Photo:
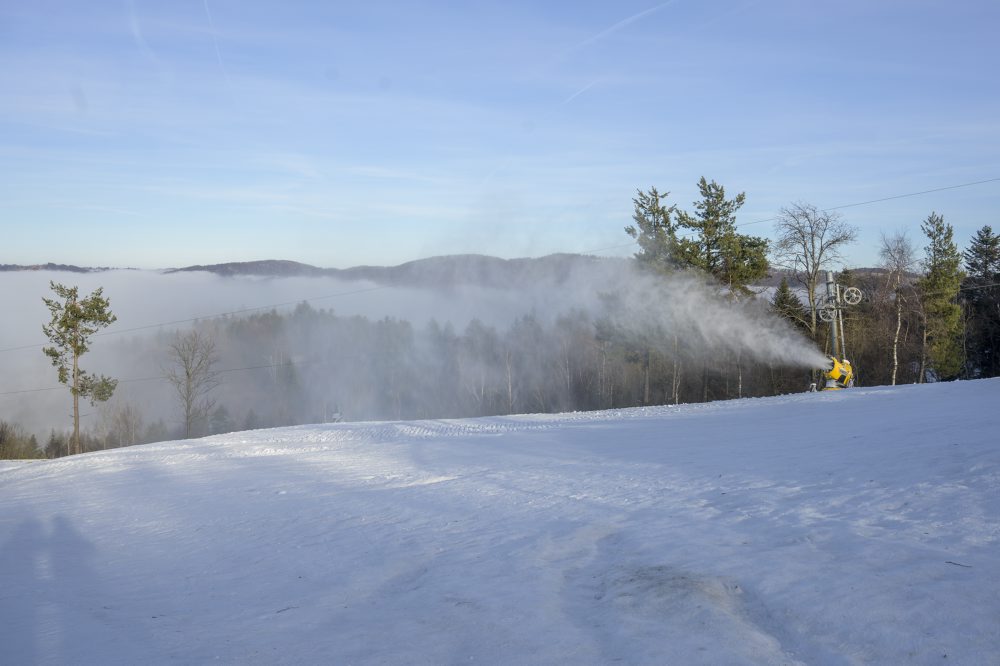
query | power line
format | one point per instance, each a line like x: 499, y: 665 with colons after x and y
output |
x: 610, y: 247
x: 969, y: 288
x: 163, y: 377
x: 980, y: 286
x: 913, y: 194
x: 897, y: 196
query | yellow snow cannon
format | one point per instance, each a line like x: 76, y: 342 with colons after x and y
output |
x: 838, y: 374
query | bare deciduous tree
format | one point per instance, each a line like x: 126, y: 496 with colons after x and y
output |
x: 806, y: 241
x: 192, y: 373
x: 122, y: 423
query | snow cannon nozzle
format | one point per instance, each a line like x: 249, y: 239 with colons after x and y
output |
x: 838, y: 374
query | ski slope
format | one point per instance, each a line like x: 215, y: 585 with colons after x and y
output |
x: 855, y: 527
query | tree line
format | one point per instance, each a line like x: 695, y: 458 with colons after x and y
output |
x: 934, y: 319
x: 930, y: 320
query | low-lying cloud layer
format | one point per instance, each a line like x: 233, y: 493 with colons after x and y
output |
x: 328, y: 369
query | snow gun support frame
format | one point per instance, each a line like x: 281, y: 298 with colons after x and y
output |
x: 837, y: 374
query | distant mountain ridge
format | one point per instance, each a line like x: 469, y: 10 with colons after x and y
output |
x: 49, y: 267
x: 441, y: 271
x: 264, y: 268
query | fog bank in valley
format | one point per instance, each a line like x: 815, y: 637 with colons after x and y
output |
x: 586, y: 339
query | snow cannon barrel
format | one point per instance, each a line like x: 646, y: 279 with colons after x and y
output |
x: 838, y: 374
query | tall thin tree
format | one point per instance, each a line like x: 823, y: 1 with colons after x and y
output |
x: 897, y: 258
x: 655, y: 231
x: 74, y: 321
x: 939, y: 287
x: 982, y: 298
x: 735, y: 260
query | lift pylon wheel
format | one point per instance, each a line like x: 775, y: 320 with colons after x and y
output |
x: 851, y: 296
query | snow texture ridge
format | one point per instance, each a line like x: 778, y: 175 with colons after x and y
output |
x: 853, y: 527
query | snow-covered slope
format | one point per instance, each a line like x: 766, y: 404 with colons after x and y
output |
x: 856, y: 527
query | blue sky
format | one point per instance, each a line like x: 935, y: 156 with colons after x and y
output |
x: 153, y: 134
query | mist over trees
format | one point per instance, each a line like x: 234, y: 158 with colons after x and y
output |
x: 686, y: 321
x: 314, y: 365
x: 15, y: 443
x: 192, y: 373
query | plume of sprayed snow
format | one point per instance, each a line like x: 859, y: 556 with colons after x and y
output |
x: 688, y: 307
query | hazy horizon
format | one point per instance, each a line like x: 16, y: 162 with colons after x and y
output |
x: 184, y: 267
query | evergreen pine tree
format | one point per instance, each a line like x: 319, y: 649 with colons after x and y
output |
x: 939, y: 287
x: 653, y: 230
x: 656, y: 234
x: 57, y: 445
x: 73, y: 322
x: 736, y: 260
x: 786, y: 303
x: 982, y: 296
x: 982, y: 259
x: 789, y: 306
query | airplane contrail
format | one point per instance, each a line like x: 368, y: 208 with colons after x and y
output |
x: 215, y: 43
x: 136, y: 29
x: 579, y: 92
x: 621, y: 24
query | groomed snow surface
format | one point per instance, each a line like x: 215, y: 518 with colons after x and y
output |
x: 853, y: 527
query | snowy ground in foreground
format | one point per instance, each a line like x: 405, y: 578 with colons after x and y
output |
x: 853, y: 527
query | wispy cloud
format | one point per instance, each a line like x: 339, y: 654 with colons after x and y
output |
x: 237, y: 195
x: 92, y: 208
x: 579, y: 92
x: 381, y: 172
x: 624, y: 23
x: 298, y: 165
